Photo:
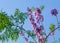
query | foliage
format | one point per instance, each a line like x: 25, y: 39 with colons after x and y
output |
x: 3, y: 20
x: 8, y: 27
x: 11, y: 26
x: 52, y: 27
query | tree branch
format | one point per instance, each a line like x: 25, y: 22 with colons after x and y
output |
x: 50, y: 33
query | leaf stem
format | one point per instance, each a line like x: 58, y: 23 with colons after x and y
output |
x: 57, y: 19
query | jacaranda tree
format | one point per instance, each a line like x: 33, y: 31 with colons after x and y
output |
x: 11, y: 27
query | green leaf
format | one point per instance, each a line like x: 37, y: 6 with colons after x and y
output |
x: 31, y: 42
x: 31, y: 34
x: 32, y: 8
x: 25, y: 15
x: 17, y: 11
x: 21, y: 15
x: 41, y: 7
x: 3, y: 20
x: 59, y: 40
x: 55, y: 41
x: 52, y: 27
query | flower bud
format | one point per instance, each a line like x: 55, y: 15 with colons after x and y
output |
x: 54, y: 12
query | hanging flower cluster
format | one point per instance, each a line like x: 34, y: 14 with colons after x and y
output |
x: 36, y: 18
x: 39, y: 17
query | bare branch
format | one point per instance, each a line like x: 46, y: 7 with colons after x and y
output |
x: 50, y: 33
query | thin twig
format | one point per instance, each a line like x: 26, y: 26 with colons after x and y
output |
x: 24, y: 35
x: 57, y: 20
x: 34, y: 40
x: 50, y: 33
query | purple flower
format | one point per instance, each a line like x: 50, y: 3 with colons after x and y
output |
x: 29, y: 11
x: 37, y: 30
x: 54, y: 12
x: 37, y: 11
x: 41, y: 27
x: 41, y: 18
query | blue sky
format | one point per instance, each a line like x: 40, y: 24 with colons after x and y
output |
x: 10, y: 5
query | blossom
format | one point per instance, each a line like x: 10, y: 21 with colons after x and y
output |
x: 54, y: 12
x: 29, y: 11
x: 38, y: 16
x: 37, y: 11
x: 39, y: 19
x: 35, y: 19
x: 41, y: 27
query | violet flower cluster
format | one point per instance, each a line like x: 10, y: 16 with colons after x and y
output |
x: 36, y: 18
